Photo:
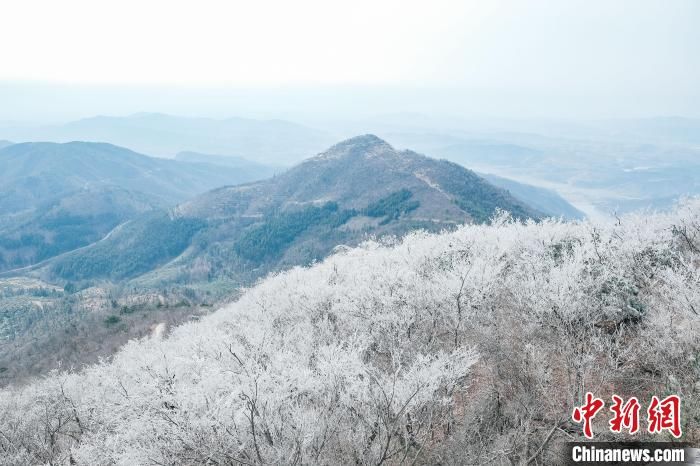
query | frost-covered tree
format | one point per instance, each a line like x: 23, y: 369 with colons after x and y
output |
x: 468, y: 347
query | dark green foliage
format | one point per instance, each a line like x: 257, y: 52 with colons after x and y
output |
x: 392, y: 206
x: 127, y: 310
x: 48, y: 235
x: 270, y: 238
x: 111, y: 320
x: 150, y: 243
x: 73, y: 232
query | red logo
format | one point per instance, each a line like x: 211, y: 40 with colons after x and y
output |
x: 665, y: 415
x: 625, y: 416
x: 587, y: 412
x: 661, y: 415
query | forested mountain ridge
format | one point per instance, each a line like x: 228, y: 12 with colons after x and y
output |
x: 436, y: 349
x: 74, y: 220
x: 361, y: 170
x: 58, y: 197
x: 358, y: 187
x: 38, y: 171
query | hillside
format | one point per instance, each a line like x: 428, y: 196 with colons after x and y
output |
x: 37, y: 171
x: 68, y: 222
x: 358, y: 187
x: 57, y: 197
x: 438, y: 349
x: 544, y: 200
x: 265, y: 141
x: 258, y: 170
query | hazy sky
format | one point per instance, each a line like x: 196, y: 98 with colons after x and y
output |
x: 508, y: 58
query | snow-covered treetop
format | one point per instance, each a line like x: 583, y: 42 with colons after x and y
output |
x: 379, y: 353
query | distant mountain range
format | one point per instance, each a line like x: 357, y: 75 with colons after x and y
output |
x: 57, y: 197
x: 265, y: 141
x: 358, y: 187
x: 232, y: 161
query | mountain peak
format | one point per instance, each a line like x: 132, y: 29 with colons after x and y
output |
x: 363, y: 141
x: 364, y: 145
